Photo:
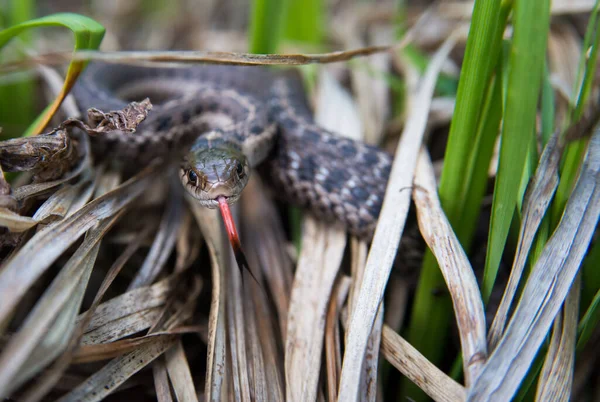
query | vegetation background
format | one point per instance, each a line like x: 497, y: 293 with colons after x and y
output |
x: 108, y: 289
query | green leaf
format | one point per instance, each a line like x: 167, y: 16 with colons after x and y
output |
x: 591, y: 275
x: 88, y: 35
x: 266, y: 25
x: 481, y: 54
x: 531, y: 20
x: 589, y: 322
x: 17, y: 103
x: 304, y: 22
x: 589, y: 59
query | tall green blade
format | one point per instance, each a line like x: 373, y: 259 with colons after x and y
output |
x: 88, y: 35
x: 531, y: 21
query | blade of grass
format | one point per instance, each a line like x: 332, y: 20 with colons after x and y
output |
x: 47, y: 330
x: 531, y: 24
x: 266, y: 25
x: 304, y: 21
x: 24, y: 267
x: 87, y: 33
x: 591, y: 278
x: 388, y: 231
x: 545, y: 291
x: 478, y: 168
x: 588, y: 322
x: 431, y: 313
x: 16, y: 99
x: 556, y: 378
x: 589, y: 59
x: 482, y: 52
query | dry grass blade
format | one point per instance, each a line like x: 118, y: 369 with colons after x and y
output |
x: 15, y: 222
x: 105, y: 351
x: 59, y: 203
x: 259, y: 372
x: 388, y: 232
x: 54, y: 208
x: 418, y: 369
x: 216, y: 360
x: 43, y: 248
x: 333, y: 345
x: 537, y: 199
x: 236, y: 331
x: 181, y: 56
x: 323, y: 246
x: 368, y: 389
x: 123, y: 326
x: 556, y: 378
x: 47, y: 329
x: 179, y: 373
x: 165, y: 238
x: 267, y: 249
x: 52, y: 376
x: 547, y: 286
x: 463, y: 9
x: 564, y: 49
x: 104, y: 381
x: 161, y: 381
x: 454, y: 265
x: 128, y: 313
x: 368, y: 379
x: 266, y: 252
x: 144, y: 350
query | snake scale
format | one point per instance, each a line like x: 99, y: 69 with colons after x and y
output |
x: 224, y: 121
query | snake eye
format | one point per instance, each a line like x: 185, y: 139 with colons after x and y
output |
x: 192, y: 177
x: 239, y: 169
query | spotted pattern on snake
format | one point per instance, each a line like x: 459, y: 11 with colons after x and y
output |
x: 264, y: 115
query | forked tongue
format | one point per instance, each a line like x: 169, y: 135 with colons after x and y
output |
x: 234, y: 239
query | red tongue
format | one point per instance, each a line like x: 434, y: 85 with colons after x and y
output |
x: 229, y: 223
x: 233, y: 236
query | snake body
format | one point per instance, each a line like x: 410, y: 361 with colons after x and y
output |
x: 223, y: 121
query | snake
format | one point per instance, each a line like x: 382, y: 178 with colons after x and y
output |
x: 221, y: 123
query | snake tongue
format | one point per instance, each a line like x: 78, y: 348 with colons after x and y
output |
x: 234, y: 239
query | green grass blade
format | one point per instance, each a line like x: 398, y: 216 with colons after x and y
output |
x: 531, y: 20
x: 483, y: 149
x: 591, y: 276
x: 592, y: 37
x: 304, y: 22
x: 88, y: 35
x: 548, y: 108
x: 481, y: 54
x: 589, y: 322
x: 266, y: 25
x: 432, y: 312
x: 17, y: 99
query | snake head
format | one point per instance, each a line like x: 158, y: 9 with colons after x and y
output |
x: 208, y: 173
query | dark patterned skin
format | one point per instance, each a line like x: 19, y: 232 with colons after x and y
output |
x: 262, y: 116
